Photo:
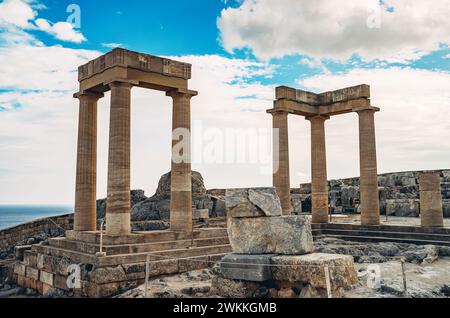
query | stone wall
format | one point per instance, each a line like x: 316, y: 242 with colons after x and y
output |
x: 45, y: 227
x: 399, y: 194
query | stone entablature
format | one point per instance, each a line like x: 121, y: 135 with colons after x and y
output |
x: 130, y: 59
x: 304, y: 103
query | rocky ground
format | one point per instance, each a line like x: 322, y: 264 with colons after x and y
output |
x: 427, y: 270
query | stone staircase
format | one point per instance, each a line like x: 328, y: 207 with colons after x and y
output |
x: 383, y: 233
x: 45, y: 266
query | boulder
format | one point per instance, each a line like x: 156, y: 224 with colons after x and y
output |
x: 244, y: 203
x: 287, y: 235
x: 230, y: 288
x: 255, y: 268
x: 310, y: 269
x: 219, y: 206
x: 296, y: 201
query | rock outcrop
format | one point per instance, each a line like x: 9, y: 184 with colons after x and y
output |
x: 157, y: 207
x: 399, y: 194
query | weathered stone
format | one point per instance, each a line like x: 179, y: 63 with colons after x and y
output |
x: 19, y: 269
x: 46, y: 278
x: 230, y: 288
x: 267, y: 200
x: 405, y: 207
x: 104, y: 275
x: 287, y: 235
x: 309, y: 269
x: 32, y: 273
x: 200, y: 214
x: 296, y: 200
x: 255, y: 268
x: 286, y: 293
x: 219, y: 206
x: 253, y: 202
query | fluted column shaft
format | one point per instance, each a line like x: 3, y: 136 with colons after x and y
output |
x: 118, y: 202
x: 86, y: 179
x: 281, y: 180
x: 319, y: 185
x: 181, y: 192
x: 370, y: 206
x: 431, y: 213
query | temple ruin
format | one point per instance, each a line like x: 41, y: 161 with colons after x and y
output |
x: 317, y: 108
x: 260, y: 229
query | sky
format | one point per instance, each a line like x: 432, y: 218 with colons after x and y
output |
x: 240, y: 51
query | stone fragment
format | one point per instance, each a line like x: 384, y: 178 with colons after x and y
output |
x: 286, y: 235
x: 286, y: 293
x: 405, y: 207
x: 200, y: 214
x: 105, y: 275
x: 253, y: 202
x: 310, y: 269
x: 255, y: 268
x: 230, y: 288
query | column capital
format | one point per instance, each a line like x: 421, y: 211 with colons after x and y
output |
x: 82, y: 94
x: 121, y: 82
x: 365, y: 108
x: 317, y: 117
x: 276, y: 111
x: 179, y: 92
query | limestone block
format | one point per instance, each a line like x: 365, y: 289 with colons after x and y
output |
x: 104, y: 275
x: 30, y: 258
x: 309, y: 269
x: 164, y: 267
x: 32, y: 273
x: 46, y: 278
x: 255, y: 268
x: 287, y: 235
x: 296, y: 203
x: 230, y: 288
x: 19, y: 269
x: 253, y: 202
x: 200, y: 214
x: 405, y: 207
x: 19, y: 251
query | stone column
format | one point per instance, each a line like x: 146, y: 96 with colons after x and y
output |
x: 281, y: 180
x: 118, y: 206
x: 86, y: 180
x: 180, y: 177
x: 431, y: 213
x: 370, y: 205
x: 319, y: 185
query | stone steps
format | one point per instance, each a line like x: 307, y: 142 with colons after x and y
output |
x: 113, y: 260
x: 92, y: 248
x: 385, y: 228
x: 145, y: 237
x: 391, y: 235
x: 361, y: 238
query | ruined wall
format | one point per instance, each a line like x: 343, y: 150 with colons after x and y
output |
x: 50, y: 226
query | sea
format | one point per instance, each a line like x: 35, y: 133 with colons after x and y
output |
x: 12, y: 215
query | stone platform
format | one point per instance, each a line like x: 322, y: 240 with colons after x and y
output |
x: 45, y: 267
x: 289, y: 276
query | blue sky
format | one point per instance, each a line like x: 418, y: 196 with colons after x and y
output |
x: 240, y: 50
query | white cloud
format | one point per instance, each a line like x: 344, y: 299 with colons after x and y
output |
x: 61, y: 30
x: 337, y: 29
x: 19, y: 16
x: 112, y: 45
x: 17, y: 12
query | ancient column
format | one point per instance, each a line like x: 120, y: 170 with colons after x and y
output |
x: 86, y: 179
x: 118, y: 207
x: 281, y: 180
x: 319, y: 185
x: 431, y: 213
x: 370, y: 206
x: 181, y: 192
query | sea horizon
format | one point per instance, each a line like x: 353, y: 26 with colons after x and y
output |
x: 15, y: 214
